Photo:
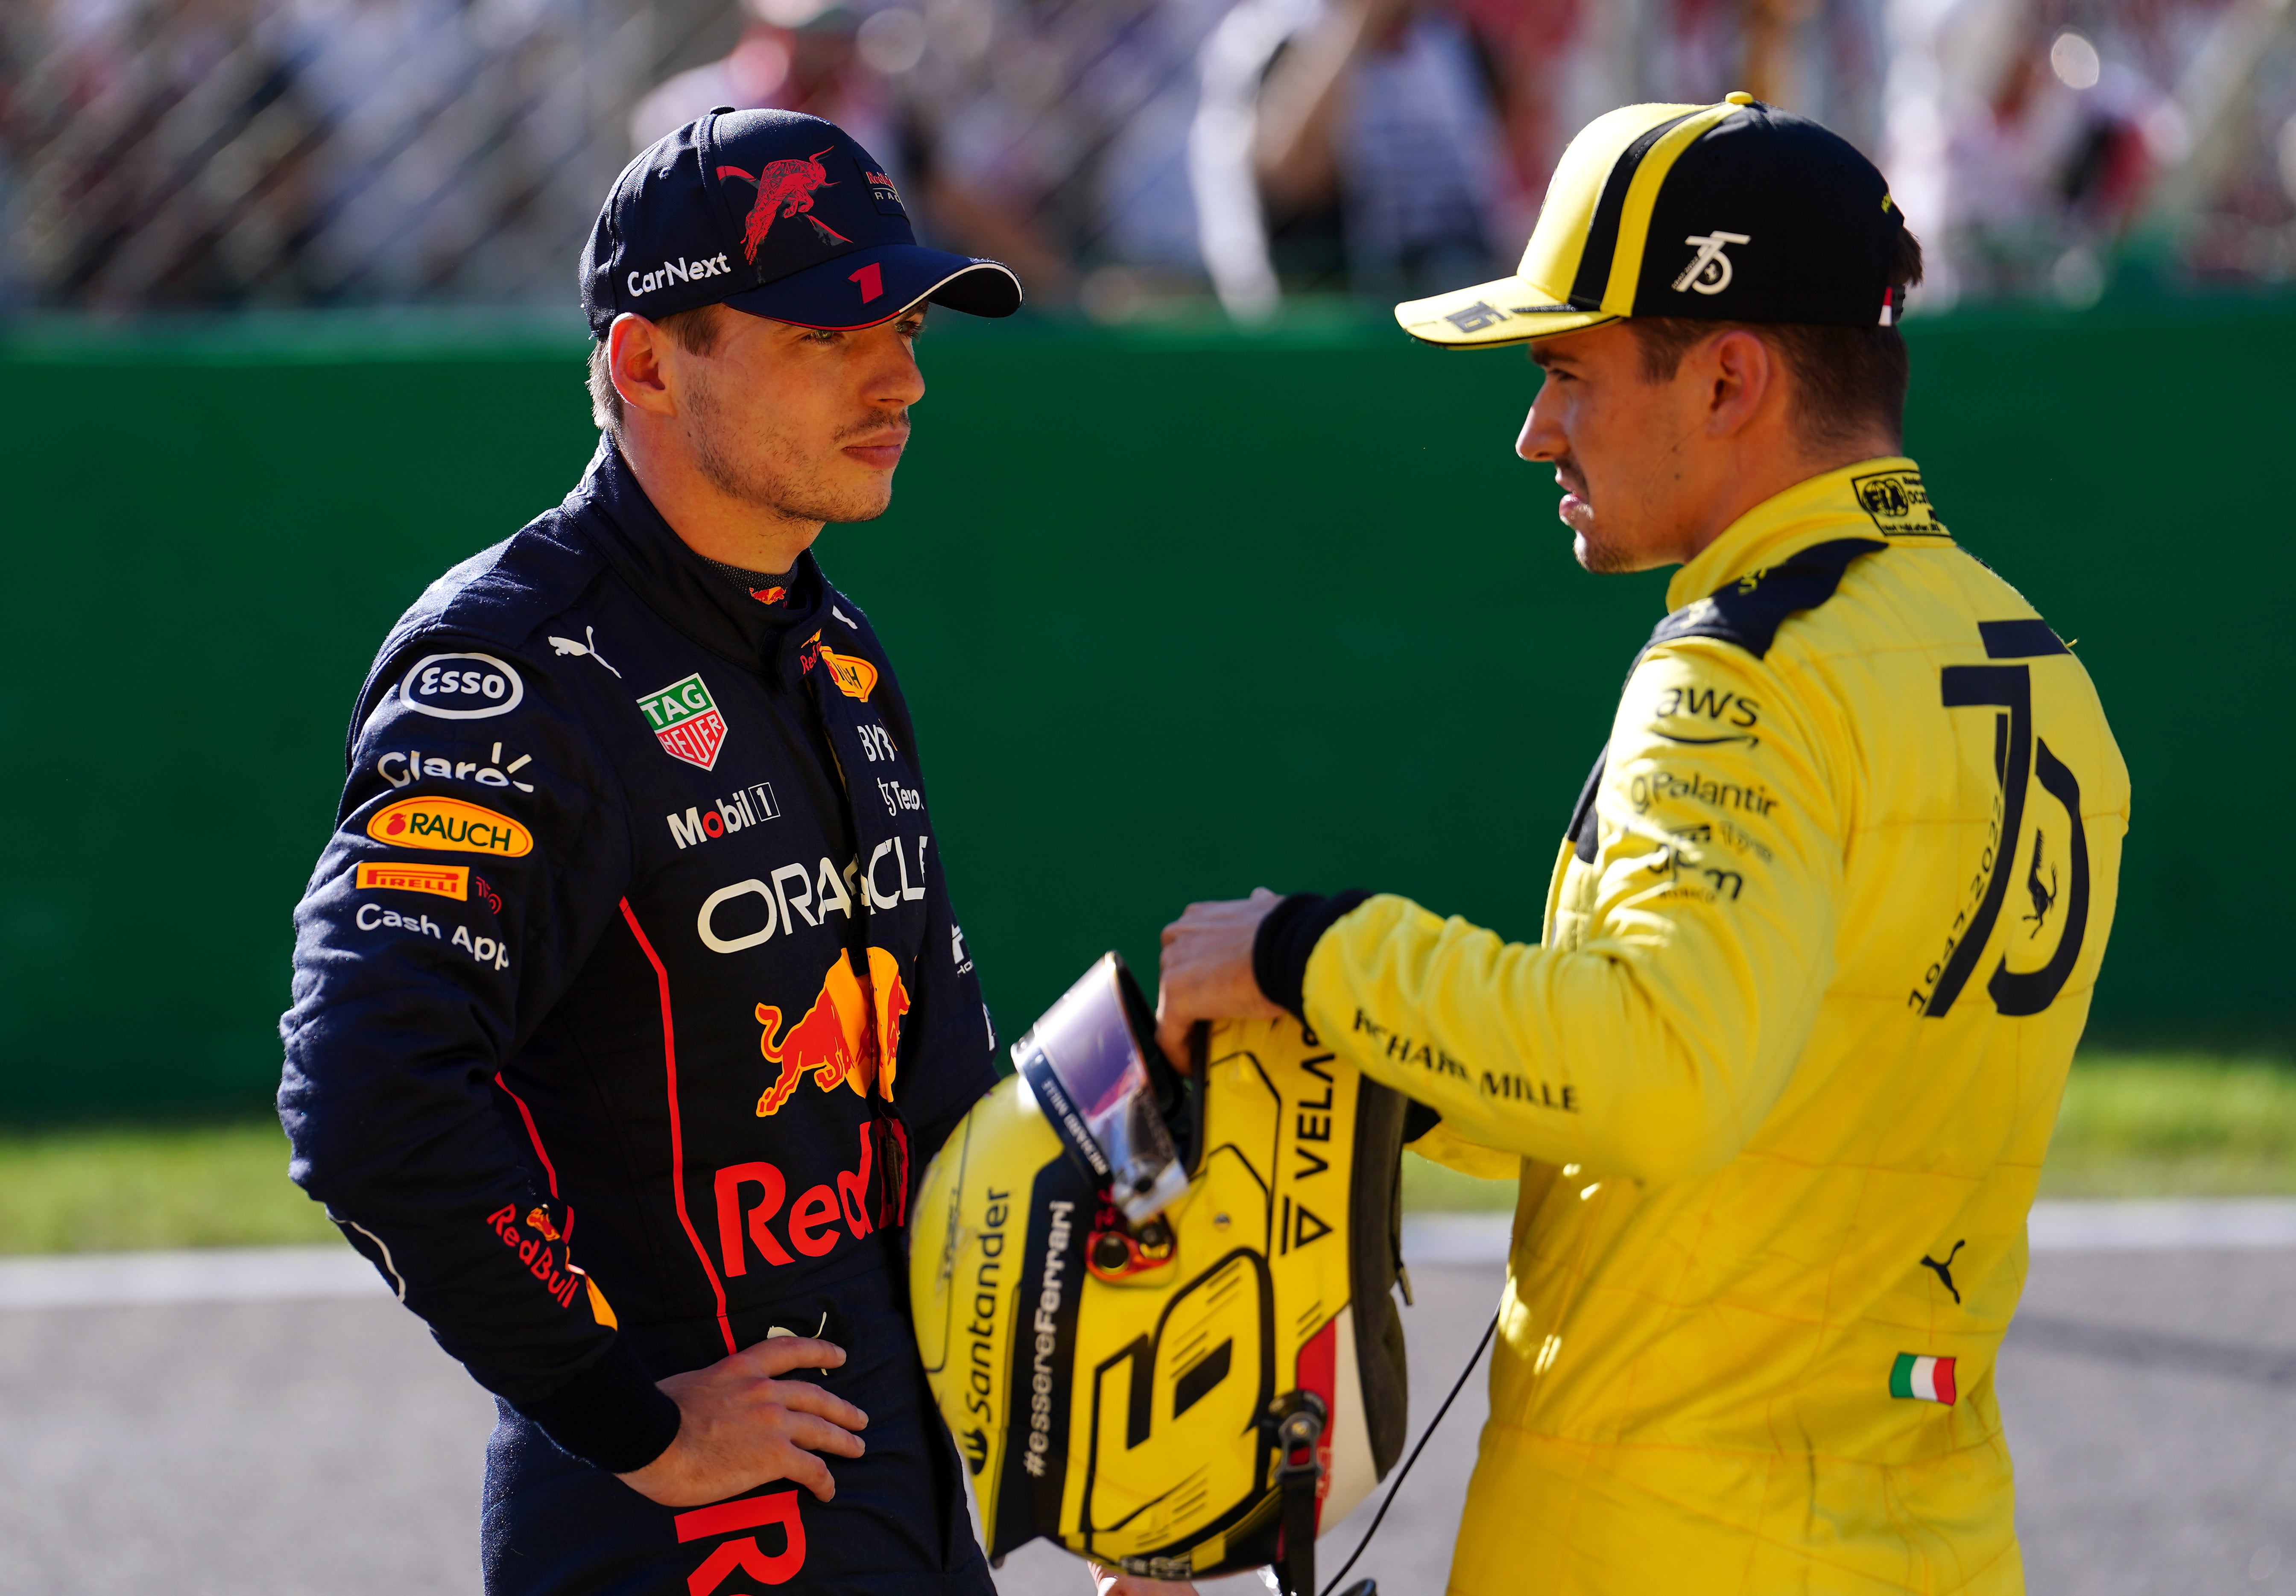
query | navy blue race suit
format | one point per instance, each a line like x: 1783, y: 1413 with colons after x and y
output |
x: 627, y: 1003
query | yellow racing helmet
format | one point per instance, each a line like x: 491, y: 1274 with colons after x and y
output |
x: 1157, y: 1311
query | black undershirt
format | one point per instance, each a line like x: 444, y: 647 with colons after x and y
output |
x: 753, y: 582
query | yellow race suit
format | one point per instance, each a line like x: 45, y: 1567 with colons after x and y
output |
x: 1779, y: 1076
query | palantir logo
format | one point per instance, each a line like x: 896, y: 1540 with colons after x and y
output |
x: 1709, y: 270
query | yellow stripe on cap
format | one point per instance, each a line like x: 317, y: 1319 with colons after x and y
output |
x: 1642, y: 198
x: 1536, y: 301
x: 1550, y: 260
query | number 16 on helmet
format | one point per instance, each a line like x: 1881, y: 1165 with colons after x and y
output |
x: 1157, y: 1312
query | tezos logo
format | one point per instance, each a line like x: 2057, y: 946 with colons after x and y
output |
x: 460, y: 686
x: 450, y: 823
x: 685, y: 721
x: 1708, y: 271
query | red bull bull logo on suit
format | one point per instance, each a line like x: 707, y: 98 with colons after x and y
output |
x: 850, y: 1037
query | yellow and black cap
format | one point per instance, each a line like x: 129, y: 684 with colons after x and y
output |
x: 1734, y: 212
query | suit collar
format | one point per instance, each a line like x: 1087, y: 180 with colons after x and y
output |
x: 679, y: 584
x: 1883, y: 497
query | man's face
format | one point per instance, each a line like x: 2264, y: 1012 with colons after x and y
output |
x: 1622, y: 446
x: 805, y: 424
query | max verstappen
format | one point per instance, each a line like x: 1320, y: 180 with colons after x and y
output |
x: 627, y: 992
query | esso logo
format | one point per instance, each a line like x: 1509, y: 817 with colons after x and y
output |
x: 461, y: 686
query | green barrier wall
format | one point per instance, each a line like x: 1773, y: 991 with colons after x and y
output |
x: 1179, y: 615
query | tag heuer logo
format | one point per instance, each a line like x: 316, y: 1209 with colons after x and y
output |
x: 685, y: 722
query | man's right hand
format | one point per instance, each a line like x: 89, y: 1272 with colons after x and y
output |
x: 740, y: 1428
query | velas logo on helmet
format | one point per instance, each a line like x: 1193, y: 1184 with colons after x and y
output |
x: 776, y: 214
x: 1732, y: 212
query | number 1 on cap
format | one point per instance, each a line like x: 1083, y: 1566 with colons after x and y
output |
x: 871, y: 281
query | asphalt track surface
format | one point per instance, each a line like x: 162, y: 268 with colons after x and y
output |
x: 281, y: 1443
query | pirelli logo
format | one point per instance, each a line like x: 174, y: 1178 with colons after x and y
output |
x: 439, y: 881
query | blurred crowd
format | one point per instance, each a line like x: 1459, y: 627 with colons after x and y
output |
x: 1125, y: 155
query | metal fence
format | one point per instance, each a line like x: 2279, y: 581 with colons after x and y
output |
x: 1124, y: 154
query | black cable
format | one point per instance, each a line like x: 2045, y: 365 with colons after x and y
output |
x: 1457, y: 1386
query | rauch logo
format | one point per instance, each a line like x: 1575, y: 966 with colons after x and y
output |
x: 445, y: 822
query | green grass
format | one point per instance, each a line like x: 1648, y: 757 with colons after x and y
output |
x: 2133, y: 1125
x: 2160, y: 1125
x: 123, y: 1188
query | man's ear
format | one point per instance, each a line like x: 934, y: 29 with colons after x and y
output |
x: 635, y: 354
x: 1743, y: 378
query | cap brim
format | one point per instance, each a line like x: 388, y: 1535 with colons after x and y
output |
x: 836, y: 295
x: 1509, y: 311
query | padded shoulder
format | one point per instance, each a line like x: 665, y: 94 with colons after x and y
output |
x: 1749, y: 612
x: 502, y: 594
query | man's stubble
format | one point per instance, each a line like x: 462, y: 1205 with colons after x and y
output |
x: 1594, y: 552
x: 771, y: 472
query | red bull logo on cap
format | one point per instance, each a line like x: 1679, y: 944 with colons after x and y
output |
x: 785, y: 188
x: 851, y: 1035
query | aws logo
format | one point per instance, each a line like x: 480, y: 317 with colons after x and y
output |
x: 450, y: 823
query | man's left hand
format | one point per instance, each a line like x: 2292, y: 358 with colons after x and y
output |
x: 1206, y: 970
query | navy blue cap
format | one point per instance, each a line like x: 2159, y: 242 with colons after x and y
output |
x: 778, y: 214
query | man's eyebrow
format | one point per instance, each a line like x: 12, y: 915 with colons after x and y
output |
x: 1549, y: 359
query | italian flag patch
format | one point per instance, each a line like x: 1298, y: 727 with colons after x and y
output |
x: 1921, y: 1379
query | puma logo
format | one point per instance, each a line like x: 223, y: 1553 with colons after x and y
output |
x: 1945, y: 1269
x: 589, y: 649
x: 2044, y: 898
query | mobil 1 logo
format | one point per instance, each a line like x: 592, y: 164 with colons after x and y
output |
x: 747, y: 806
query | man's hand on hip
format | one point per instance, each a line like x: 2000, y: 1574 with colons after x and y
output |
x: 740, y: 1428
x: 1206, y: 970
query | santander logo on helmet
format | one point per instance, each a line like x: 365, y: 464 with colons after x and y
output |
x: 785, y: 188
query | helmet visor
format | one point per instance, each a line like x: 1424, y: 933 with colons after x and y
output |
x: 1088, y: 1068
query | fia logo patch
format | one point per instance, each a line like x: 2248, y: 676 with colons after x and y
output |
x: 1898, y: 503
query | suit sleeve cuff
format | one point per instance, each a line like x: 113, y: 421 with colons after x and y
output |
x: 1284, y: 940
x: 611, y: 1414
